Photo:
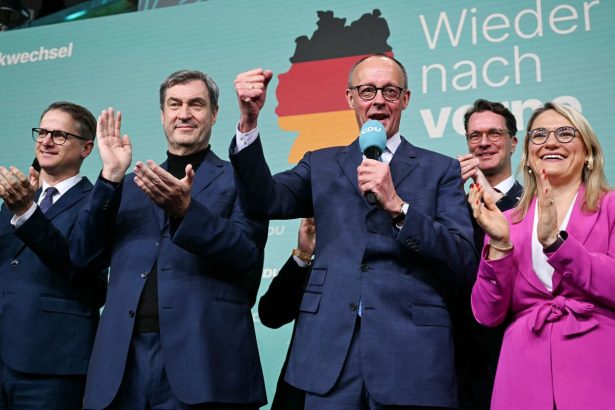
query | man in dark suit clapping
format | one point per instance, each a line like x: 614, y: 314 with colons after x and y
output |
x: 48, y: 306
x: 177, y: 329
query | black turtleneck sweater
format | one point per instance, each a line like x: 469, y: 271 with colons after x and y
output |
x: 147, y: 312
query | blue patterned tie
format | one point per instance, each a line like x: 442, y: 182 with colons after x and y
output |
x: 48, y: 199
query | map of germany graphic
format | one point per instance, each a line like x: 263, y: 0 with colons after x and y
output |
x: 311, y: 99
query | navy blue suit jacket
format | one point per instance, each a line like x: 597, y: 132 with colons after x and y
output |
x: 48, y: 307
x: 399, y: 277
x: 209, y: 268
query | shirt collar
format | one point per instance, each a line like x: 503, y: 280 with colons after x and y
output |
x: 393, y: 142
x: 505, y: 185
x: 64, y: 185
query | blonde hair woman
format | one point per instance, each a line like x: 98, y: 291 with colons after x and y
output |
x: 548, y: 266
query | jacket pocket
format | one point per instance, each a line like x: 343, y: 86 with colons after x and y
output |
x: 310, y: 302
x: 317, y: 277
x: 62, y: 305
x: 430, y: 315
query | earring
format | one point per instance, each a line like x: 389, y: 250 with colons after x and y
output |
x: 589, y: 163
x: 529, y: 170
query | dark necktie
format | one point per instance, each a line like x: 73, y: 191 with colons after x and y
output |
x: 48, y: 199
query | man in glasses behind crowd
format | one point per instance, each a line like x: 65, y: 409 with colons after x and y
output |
x: 491, y: 137
x: 49, y: 308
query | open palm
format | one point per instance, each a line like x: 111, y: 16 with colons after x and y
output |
x: 115, y: 149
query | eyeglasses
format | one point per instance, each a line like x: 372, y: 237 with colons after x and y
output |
x: 368, y: 92
x: 58, y: 137
x: 539, y: 136
x: 493, y: 135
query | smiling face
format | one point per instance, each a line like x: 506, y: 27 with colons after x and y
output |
x: 378, y: 71
x: 494, y: 156
x: 563, y: 162
x: 187, y: 117
x: 59, y: 162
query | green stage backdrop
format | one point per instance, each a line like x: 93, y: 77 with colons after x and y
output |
x: 522, y: 53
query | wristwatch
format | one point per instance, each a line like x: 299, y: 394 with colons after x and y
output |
x: 561, y: 237
x: 401, y: 217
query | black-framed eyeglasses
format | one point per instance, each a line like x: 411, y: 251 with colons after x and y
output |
x: 368, y: 92
x: 58, y: 137
x: 539, y: 136
x: 493, y: 135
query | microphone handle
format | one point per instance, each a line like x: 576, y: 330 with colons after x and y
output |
x: 371, y: 198
x: 372, y: 153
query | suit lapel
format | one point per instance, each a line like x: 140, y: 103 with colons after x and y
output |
x: 69, y: 198
x: 349, y: 158
x: 159, y: 213
x: 403, y: 162
x: 511, y: 198
x: 523, y: 243
x: 208, y: 171
x: 515, y: 192
x: 580, y: 225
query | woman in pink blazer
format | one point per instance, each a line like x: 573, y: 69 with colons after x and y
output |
x: 548, y: 267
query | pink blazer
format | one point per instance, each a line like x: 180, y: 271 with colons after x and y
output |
x: 560, y: 345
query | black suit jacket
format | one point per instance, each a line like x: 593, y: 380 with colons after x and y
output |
x: 277, y: 307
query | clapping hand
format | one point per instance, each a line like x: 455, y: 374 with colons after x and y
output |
x: 115, y: 149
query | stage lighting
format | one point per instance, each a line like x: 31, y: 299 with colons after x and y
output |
x: 12, y: 14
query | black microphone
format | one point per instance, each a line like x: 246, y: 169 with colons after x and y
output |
x: 373, y: 141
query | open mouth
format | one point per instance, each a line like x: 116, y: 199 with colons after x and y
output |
x: 378, y: 116
x: 556, y: 157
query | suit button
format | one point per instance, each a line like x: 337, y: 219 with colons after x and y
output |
x: 411, y: 244
x: 364, y: 267
x: 144, y: 274
x: 353, y: 307
x: 14, y: 262
x: 131, y: 313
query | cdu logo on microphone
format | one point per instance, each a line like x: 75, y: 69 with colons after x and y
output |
x: 371, y: 126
